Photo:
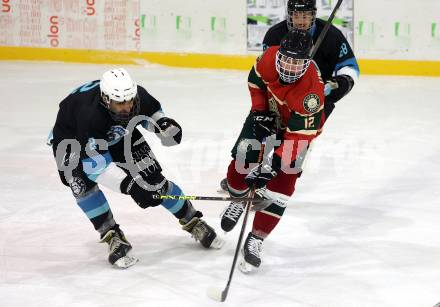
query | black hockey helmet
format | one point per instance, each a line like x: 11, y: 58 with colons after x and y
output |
x: 304, y: 21
x: 293, y: 56
x: 301, y: 5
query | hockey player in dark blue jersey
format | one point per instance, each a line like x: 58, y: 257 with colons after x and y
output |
x: 339, y: 71
x: 96, y: 142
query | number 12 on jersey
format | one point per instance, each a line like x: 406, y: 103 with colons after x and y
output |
x: 309, y: 122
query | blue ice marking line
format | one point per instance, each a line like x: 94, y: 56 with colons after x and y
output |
x: 174, y: 205
x: 94, y: 204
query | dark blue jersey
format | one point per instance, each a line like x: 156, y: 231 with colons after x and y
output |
x: 84, y: 118
x: 333, y: 57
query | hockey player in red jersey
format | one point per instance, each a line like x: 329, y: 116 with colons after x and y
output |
x: 334, y: 57
x: 287, y: 101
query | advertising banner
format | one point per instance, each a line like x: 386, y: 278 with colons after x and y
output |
x: 72, y: 24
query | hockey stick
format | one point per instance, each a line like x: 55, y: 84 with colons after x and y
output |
x: 324, y: 31
x: 220, y: 295
x: 214, y: 198
x: 302, y: 156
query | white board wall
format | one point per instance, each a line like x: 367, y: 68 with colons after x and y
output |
x: 383, y: 29
x: 397, y: 29
x: 200, y: 26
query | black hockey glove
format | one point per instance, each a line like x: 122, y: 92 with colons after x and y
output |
x: 263, y: 173
x: 168, y: 131
x: 264, y: 124
x: 337, y: 87
x: 260, y: 176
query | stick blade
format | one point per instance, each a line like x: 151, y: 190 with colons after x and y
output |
x: 216, y: 294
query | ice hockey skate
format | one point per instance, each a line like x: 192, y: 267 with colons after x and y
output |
x: 251, y: 258
x: 202, y: 233
x: 119, y: 249
x: 231, y: 215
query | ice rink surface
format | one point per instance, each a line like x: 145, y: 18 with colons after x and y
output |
x: 362, y: 229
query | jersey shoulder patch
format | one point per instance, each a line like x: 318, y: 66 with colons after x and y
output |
x: 115, y: 134
x: 311, y: 103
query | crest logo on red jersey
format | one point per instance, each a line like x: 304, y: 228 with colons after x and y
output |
x: 311, y: 103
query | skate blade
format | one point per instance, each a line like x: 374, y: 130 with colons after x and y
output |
x: 125, y: 262
x: 217, y: 243
x: 245, y: 267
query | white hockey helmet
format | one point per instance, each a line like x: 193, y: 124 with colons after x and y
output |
x: 117, y: 86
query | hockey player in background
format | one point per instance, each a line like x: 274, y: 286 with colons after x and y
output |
x: 287, y: 100
x: 96, y: 142
x: 339, y: 70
